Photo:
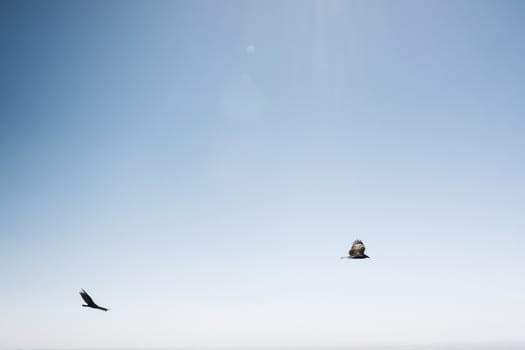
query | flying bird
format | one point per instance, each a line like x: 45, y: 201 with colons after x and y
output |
x: 89, y: 302
x: 357, y: 251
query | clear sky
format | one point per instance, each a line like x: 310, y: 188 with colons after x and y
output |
x: 199, y: 168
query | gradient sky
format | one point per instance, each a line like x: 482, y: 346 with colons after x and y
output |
x: 199, y: 167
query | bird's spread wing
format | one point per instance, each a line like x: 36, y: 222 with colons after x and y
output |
x: 358, y: 248
x: 87, y: 298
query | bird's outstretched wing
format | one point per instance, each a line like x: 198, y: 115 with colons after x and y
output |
x: 358, y: 249
x: 87, y: 298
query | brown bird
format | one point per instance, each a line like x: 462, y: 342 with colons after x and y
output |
x: 89, y: 302
x: 357, y: 251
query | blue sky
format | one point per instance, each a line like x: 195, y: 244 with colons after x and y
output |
x: 200, y: 167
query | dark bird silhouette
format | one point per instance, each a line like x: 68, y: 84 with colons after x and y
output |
x: 89, y: 302
x: 357, y: 251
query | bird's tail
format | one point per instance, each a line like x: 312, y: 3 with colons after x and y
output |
x: 102, y: 308
x: 345, y: 257
x: 84, y: 305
